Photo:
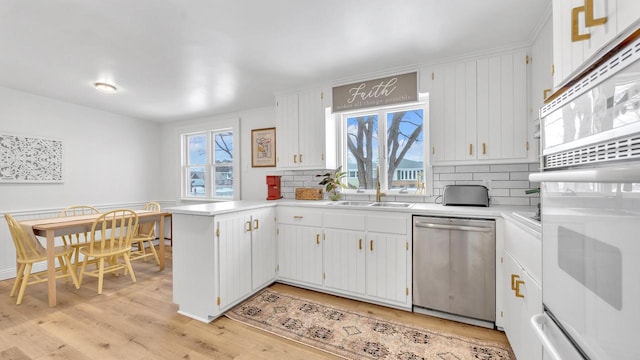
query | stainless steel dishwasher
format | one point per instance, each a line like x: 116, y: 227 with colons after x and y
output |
x: 454, y: 268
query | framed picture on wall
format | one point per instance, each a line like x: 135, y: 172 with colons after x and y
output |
x: 263, y: 147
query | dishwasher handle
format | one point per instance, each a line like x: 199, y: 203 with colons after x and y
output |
x: 452, y: 227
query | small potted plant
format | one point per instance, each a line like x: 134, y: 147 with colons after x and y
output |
x: 332, y: 181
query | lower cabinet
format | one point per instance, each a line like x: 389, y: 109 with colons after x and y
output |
x: 521, y: 289
x: 221, y: 260
x: 364, y: 255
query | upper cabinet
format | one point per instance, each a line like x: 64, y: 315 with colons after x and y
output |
x: 478, y: 110
x: 541, y: 68
x: 582, y: 27
x: 300, y: 130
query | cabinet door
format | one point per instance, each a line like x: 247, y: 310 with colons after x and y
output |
x: 520, y: 304
x: 263, y: 247
x: 287, y: 131
x: 386, y: 263
x: 502, y: 108
x: 300, y: 254
x: 311, y: 129
x: 541, y: 69
x: 234, y: 239
x: 344, y: 260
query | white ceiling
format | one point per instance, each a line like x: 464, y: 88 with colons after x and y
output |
x: 182, y: 59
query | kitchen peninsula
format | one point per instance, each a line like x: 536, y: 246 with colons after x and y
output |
x: 234, y: 249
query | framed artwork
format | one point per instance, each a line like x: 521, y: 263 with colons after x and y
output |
x: 30, y: 159
x: 263, y: 147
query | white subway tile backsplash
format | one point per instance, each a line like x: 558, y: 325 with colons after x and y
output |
x: 509, y: 167
x: 472, y: 168
x: 491, y: 176
x: 507, y: 182
x: 510, y: 184
x: 454, y: 176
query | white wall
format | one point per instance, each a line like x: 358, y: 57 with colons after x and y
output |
x: 252, y: 180
x: 108, y: 160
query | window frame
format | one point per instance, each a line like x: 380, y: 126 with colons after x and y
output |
x: 210, y: 165
x: 341, y: 136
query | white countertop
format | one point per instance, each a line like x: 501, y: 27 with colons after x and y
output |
x: 211, y: 209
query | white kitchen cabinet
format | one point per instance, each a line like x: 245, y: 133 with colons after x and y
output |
x: 479, y: 110
x: 221, y: 260
x: 344, y: 261
x: 263, y: 247
x: 233, y: 232
x: 521, y: 288
x: 570, y: 53
x: 541, y: 68
x: 343, y: 247
x: 300, y: 130
x: 387, y: 261
x: 300, y: 245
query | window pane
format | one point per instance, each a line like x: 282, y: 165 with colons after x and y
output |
x: 197, y: 184
x: 362, y: 151
x: 197, y: 149
x: 405, y: 149
x: 223, y: 166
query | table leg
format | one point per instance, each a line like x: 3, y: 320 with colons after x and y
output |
x: 51, y: 267
x: 161, y: 237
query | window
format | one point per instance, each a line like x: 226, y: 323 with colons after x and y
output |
x: 385, y: 140
x: 208, y: 166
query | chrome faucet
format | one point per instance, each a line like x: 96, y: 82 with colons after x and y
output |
x: 378, y: 193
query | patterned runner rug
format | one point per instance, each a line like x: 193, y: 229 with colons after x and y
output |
x: 354, y: 335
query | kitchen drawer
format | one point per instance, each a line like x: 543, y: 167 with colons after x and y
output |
x: 525, y: 246
x: 344, y: 220
x: 299, y: 216
x: 386, y: 223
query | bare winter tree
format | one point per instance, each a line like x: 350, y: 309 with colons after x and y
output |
x: 361, y: 146
x: 399, y: 141
x: 224, y: 143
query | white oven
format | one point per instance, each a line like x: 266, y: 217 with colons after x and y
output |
x: 590, y: 205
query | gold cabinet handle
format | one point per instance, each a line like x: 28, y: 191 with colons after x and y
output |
x: 470, y: 149
x: 484, y: 149
x: 300, y: 157
x: 248, y: 226
x: 517, y: 289
x: 545, y: 93
x: 575, y: 33
x: 295, y: 159
x: 513, y: 281
x: 589, y: 21
x: 256, y: 224
x: 371, y: 245
x: 318, y: 239
x: 297, y: 217
x: 360, y: 244
x: 433, y: 150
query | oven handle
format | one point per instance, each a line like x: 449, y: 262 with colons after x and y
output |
x: 453, y: 227
x: 537, y: 321
x: 618, y: 174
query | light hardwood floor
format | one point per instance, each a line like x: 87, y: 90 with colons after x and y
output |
x: 139, y: 321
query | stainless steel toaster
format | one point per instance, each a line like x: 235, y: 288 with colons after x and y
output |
x: 465, y: 195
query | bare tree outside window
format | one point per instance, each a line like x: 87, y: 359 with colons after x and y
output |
x: 404, y: 152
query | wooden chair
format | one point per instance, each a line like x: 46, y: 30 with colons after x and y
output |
x: 146, y: 234
x: 110, y: 239
x: 29, y: 251
x: 76, y: 241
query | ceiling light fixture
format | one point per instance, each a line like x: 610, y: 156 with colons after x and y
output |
x: 105, y: 88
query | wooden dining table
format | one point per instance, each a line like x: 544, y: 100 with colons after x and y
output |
x: 58, y: 226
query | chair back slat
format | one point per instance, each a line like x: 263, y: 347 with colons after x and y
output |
x: 115, y: 229
x: 81, y: 237
x: 148, y: 229
x: 27, y: 246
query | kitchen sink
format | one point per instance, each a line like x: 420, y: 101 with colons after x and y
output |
x: 351, y: 203
x: 392, y: 204
x: 364, y: 203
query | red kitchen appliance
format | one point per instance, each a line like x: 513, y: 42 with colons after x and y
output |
x: 273, y: 187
